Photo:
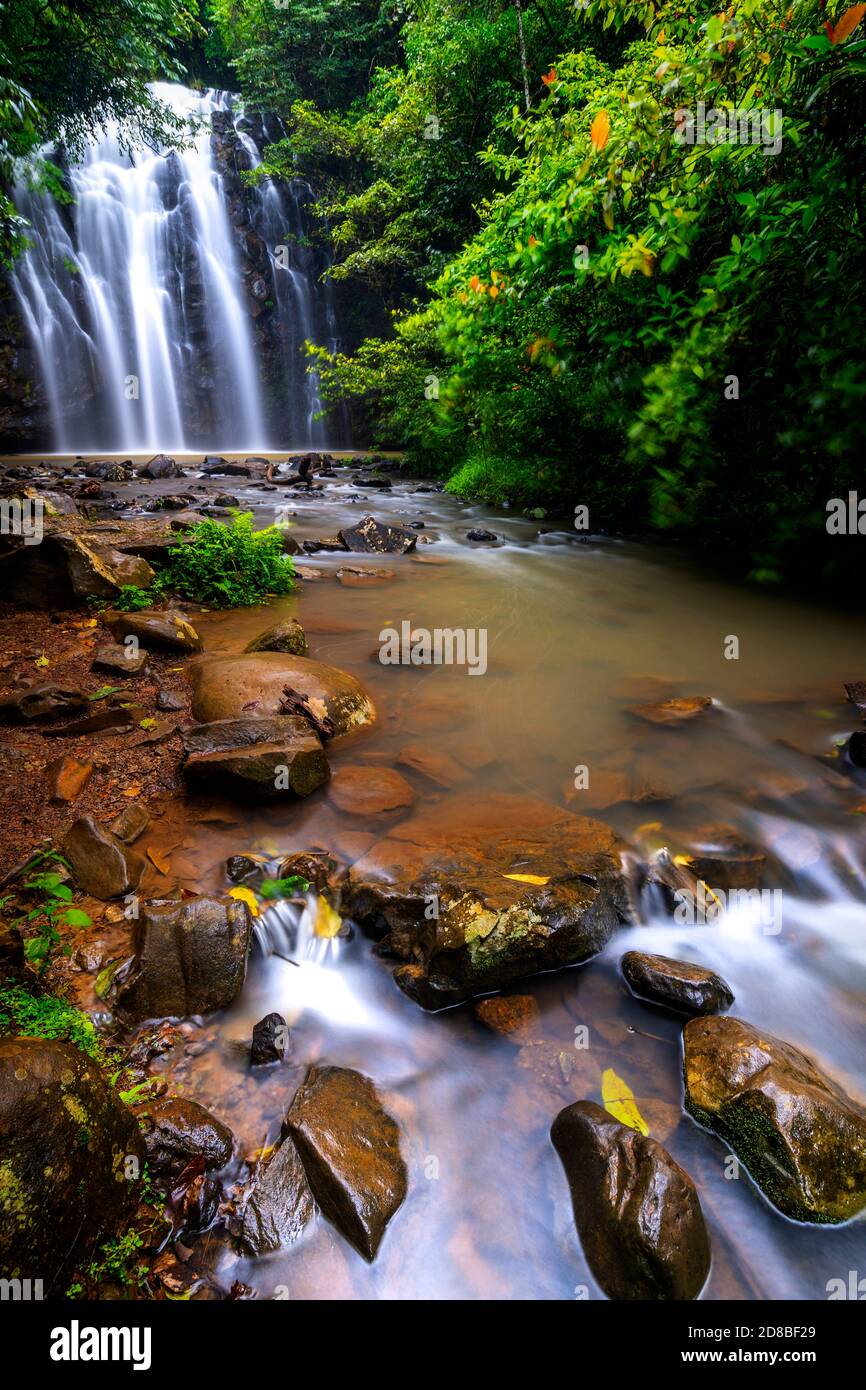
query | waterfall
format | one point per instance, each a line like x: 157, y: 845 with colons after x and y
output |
x: 167, y: 305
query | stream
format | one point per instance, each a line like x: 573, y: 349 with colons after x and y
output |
x: 578, y: 629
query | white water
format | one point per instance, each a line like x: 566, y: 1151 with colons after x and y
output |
x: 135, y: 302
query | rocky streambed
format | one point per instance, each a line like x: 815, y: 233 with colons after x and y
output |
x: 336, y: 900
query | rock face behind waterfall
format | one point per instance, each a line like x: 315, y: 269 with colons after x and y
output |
x: 480, y: 893
x: 801, y: 1137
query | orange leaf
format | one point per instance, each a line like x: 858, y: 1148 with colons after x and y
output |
x: 550, y: 78
x: 848, y: 23
x: 600, y: 130
x: 131, y: 791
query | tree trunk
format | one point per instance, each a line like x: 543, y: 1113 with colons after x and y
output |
x: 522, y: 51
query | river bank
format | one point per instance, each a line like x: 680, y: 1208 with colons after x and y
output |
x: 581, y: 636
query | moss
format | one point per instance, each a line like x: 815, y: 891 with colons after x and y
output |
x: 45, y: 1016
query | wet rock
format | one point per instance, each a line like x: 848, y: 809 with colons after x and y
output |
x: 856, y: 748
x: 168, y: 700
x: 67, y: 778
x: 801, y: 1137
x: 287, y: 636
x: 98, y: 571
x: 167, y: 629
x: 274, y: 757
x: 477, y: 534
x: 520, y: 886
x: 154, y: 1042
x: 720, y: 856
x: 191, y: 957
x: 219, y: 467
x: 350, y: 1149
x: 675, y: 712
x: 372, y: 535
x: 278, y: 1204
x: 65, y: 1144
x: 120, y: 661
x: 161, y: 466
x: 637, y: 1212
x: 226, y: 499
x: 315, y: 868
x: 55, y: 503
x: 370, y: 791
x: 679, y: 984
x: 233, y: 687
x: 132, y: 821
x: 329, y: 544
x: 103, y: 719
x: 239, y: 867
x: 42, y: 701
x: 356, y: 578
x: 856, y: 692
x: 508, y: 1014
x: 177, y: 1130
x: 101, y: 864
x: 270, y: 1040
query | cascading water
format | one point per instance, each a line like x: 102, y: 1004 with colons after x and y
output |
x: 168, y: 304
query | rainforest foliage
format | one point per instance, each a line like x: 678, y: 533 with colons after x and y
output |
x: 621, y: 244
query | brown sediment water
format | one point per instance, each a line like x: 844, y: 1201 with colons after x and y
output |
x: 577, y: 631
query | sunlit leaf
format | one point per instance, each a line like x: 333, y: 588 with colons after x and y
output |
x: 619, y: 1101
x: 600, y: 130
x: 537, y: 879
x: 327, y: 922
x: 246, y: 895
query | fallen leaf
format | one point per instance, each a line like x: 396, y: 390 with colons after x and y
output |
x: 131, y: 791
x: 328, y: 922
x: 246, y: 895
x: 159, y: 861
x: 619, y: 1101
x: 536, y: 879
x: 42, y: 660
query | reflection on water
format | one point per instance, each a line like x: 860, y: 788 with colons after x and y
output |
x: 577, y: 633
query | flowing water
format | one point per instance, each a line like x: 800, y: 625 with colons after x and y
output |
x: 577, y: 632
x: 140, y: 304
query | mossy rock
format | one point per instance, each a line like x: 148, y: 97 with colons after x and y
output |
x: 802, y: 1139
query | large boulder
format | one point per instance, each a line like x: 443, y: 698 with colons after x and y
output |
x: 277, y: 1204
x: 97, y: 571
x: 801, y: 1137
x: 372, y: 535
x: 161, y: 466
x: 177, y: 1130
x: 70, y: 1157
x: 191, y: 957
x: 678, y: 984
x: 231, y: 687
x: 102, y: 865
x: 262, y: 758
x: 474, y: 893
x: 165, y: 629
x: 637, y: 1212
x: 350, y: 1149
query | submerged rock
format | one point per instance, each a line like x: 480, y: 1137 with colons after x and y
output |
x: 350, y: 1149
x: 276, y: 757
x: 519, y: 886
x: 177, y: 1130
x: 166, y: 629
x: 675, y: 712
x: 191, y: 957
x: 101, y: 864
x: 277, y: 1204
x: 370, y: 791
x: 679, y: 984
x: 509, y: 1015
x: 801, y: 1137
x: 373, y: 536
x: 287, y: 636
x: 232, y: 687
x: 66, y: 1141
x: 270, y: 1040
x: 637, y: 1212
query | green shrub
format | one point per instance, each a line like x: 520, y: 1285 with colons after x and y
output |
x: 229, y: 566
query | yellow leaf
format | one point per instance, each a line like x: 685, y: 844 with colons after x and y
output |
x: 537, y: 879
x: 328, y: 922
x: 159, y: 861
x: 131, y: 791
x: 765, y: 58
x: 600, y: 130
x: 619, y: 1101
x: 245, y: 895
x: 42, y: 660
